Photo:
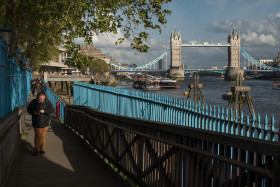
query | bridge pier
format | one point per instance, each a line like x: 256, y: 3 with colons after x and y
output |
x: 177, y: 74
x: 68, y: 88
x: 64, y: 87
x: 232, y: 73
x: 52, y: 84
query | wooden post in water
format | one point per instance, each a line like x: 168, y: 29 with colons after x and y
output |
x: 240, y: 95
x: 197, y: 96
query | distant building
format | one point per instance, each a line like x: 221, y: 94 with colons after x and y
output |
x: 57, y: 66
x: 214, y: 67
x: 184, y: 66
x: 266, y: 61
x: 90, y: 50
x: 277, y: 59
x: 160, y: 64
x: 125, y: 65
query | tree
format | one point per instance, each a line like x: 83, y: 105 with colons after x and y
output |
x: 39, y: 24
x: 99, y: 66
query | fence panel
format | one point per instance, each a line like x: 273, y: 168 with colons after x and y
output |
x: 14, y: 82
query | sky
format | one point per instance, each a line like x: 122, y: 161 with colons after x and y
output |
x: 207, y: 20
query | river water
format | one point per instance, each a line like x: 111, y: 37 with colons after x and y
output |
x: 266, y: 100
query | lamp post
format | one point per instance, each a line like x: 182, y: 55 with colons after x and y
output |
x: 6, y: 34
x: 19, y: 56
x: 10, y: 37
x: 23, y: 63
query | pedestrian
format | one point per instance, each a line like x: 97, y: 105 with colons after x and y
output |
x: 38, y: 86
x: 40, y: 109
x: 33, y: 87
x: 43, y: 88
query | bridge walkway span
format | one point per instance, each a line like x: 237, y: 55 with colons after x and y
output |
x: 68, y: 161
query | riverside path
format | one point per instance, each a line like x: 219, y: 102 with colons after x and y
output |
x: 68, y: 161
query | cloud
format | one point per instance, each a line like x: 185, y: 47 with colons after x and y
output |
x: 253, y: 38
x: 257, y: 38
x: 106, y: 40
x: 260, y: 38
x: 123, y: 54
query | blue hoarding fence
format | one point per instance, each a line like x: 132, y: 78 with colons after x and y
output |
x: 14, y: 82
x: 57, y: 103
x: 172, y: 110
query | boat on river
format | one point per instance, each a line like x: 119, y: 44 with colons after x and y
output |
x: 150, y: 85
x: 137, y: 84
x: 276, y: 85
x: 166, y: 83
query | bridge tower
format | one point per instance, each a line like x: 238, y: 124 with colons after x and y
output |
x: 175, y: 71
x: 233, y: 68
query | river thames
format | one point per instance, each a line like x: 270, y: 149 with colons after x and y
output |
x: 266, y: 100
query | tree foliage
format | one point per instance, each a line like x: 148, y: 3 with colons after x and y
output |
x: 99, y: 66
x: 80, y: 61
x: 40, y: 23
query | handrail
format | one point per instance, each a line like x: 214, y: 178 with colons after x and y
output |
x: 262, y: 171
x: 147, y: 151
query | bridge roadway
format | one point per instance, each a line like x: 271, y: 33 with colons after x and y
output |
x: 67, y: 162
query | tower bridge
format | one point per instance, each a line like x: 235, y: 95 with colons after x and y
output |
x: 176, y: 72
x: 206, y: 44
x: 233, y: 46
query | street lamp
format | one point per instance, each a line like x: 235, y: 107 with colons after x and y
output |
x: 6, y: 34
x: 23, y: 63
x: 10, y: 37
x: 19, y: 55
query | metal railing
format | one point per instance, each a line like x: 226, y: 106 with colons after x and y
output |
x: 172, y: 110
x: 158, y: 154
x: 57, y: 103
x: 14, y: 82
x: 11, y: 127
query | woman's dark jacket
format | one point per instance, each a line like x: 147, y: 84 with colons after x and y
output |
x: 43, y: 119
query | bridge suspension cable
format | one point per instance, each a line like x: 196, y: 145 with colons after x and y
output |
x: 149, y: 64
x: 255, y: 62
x: 246, y: 55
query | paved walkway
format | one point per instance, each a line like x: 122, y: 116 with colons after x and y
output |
x: 68, y: 161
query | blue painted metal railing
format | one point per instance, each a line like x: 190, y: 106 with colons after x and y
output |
x: 150, y: 106
x: 255, y: 61
x: 54, y: 99
x: 14, y: 82
x: 147, y: 65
